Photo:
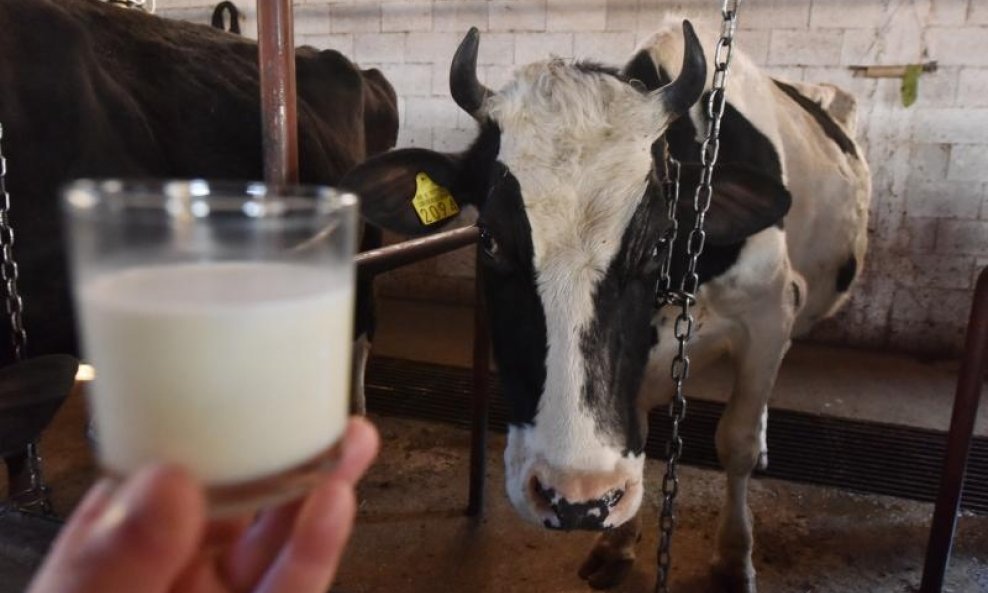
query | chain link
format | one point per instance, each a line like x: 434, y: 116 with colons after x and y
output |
x: 8, y: 265
x: 685, y: 296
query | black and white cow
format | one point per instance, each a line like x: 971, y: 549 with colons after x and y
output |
x: 564, y: 173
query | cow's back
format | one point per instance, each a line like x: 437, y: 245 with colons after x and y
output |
x: 91, y: 90
x: 789, y: 135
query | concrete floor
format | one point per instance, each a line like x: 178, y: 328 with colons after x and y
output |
x: 412, y: 536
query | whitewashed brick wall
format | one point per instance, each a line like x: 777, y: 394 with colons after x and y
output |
x: 929, y: 229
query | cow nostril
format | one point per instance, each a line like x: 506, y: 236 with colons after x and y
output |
x: 613, y: 497
x: 542, y: 496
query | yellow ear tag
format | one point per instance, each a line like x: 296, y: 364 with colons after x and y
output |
x: 433, y: 202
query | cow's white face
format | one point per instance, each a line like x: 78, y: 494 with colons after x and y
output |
x: 572, y: 219
x: 575, y: 153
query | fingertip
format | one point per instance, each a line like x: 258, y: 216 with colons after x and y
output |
x: 364, y: 435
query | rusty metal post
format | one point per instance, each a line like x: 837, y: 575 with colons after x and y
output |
x: 481, y: 394
x: 279, y: 119
x: 390, y: 257
x: 969, y: 384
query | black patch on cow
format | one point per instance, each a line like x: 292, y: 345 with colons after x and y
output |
x: 642, y: 68
x: 517, y: 319
x: 830, y: 127
x: 616, y: 344
x: 846, y: 274
x: 591, y: 67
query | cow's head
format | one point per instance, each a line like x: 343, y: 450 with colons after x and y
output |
x: 571, y: 211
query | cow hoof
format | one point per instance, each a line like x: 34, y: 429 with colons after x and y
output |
x: 606, y: 567
x: 726, y: 581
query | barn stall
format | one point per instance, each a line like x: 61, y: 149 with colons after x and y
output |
x: 859, y: 413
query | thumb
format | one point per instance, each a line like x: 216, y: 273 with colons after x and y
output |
x: 141, y: 538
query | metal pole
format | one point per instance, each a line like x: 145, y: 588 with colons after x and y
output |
x: 481, y: 395
x: 969, y: 384
x: 384, y: 259
x: 279, y: 121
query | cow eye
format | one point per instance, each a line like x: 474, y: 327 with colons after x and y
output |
x: 488, y: 243
x: 659, y: 249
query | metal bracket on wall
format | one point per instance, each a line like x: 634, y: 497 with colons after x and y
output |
x: 876, y: 71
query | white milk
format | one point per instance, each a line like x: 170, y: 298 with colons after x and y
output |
x: 235, y: 370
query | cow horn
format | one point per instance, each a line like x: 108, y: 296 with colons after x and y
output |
x: 467, y: 91
x: 679, y: 95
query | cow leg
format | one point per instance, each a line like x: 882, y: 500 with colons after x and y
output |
x: 613, y: 555
x: 740, y: 444
x: 763, y: 439
x: 361, y: 352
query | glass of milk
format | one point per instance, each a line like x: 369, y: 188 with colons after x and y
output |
x: 218, y: 318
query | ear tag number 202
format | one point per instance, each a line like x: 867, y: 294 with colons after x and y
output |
x: 432, y: 202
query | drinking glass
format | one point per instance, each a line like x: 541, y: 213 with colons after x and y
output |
x: 218, y: 318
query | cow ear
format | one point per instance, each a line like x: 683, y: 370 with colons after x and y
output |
x: 744, y: 202
x: 410, y: 191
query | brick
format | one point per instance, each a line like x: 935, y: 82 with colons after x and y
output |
x: 495, y: 77
x: 312, y: 19
x: 409, y: 80
x: 951, y: 125
x: 409, y: 137
x: 754, y: 42
x: 932, y: 270
x: 440, y: 80
x: 846, y: 15
x: 609, y: 48
x: 410, y: 15
x: 919, y: 234
x: 382, y: 48
x: 532, y: 47
x: 452, y: 139
x: 342, y: 43
x: 459, y: 15
x: 898, y: 44
x: 805, y: 48
x: 355, y: 17
x: 972, y: 87
x: 944, y: 199
x: 202, y: 15
x: 938, y: 89
x: 945, y: 12
x: 936, y: 305
x: 774, y: 14
x: 958, y: 46
x: 567, y: 15
x: 496, y: 48
x: 517, y: 15
x: 928, y: 162
x: 969, y: 162
x: 978, y: 13
x: 926, y: 337
x: 435, y: 112
x: 962, y: 236
x: 622, y: 15
x: 431, y: 48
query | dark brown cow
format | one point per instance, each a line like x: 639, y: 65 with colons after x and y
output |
x: 91, y: 90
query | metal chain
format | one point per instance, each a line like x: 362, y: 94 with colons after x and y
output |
x: 8, y: 265
x: 685, y: 297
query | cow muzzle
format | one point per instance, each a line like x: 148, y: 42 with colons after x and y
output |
x: 581, y: 500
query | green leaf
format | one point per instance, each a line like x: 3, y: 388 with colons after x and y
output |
x: 910, y: 84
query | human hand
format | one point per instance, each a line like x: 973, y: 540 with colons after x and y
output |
x: 151, y: 535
